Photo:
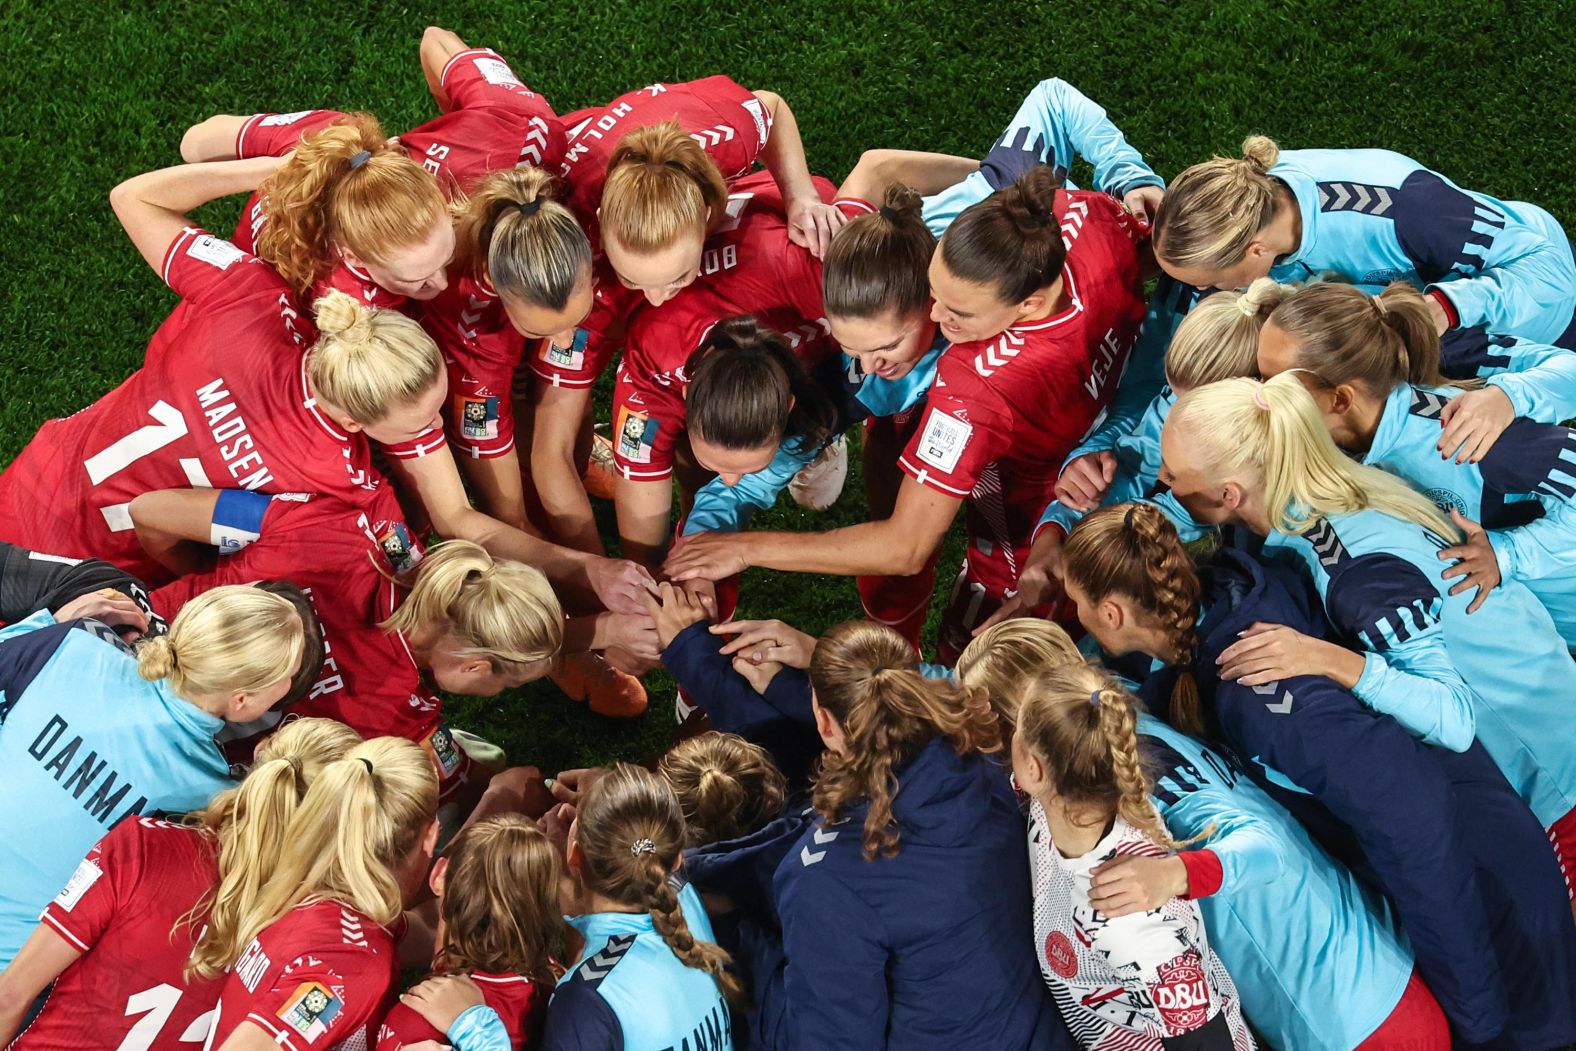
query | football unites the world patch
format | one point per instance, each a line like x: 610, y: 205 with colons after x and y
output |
x: 444, y: 750
x: 637, y: 432
x: 398, y: 547
x: 311, y: 1009
x: 572, y: 357
x: 942, y: 442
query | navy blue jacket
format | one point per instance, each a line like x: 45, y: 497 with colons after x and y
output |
x: 932, y: 948
x: 780, y: 721
x: 1442, y: 833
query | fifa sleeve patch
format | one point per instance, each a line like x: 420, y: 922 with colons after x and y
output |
x: 81, y: 880
x: 757, y: 112
x: 941, y: 443
x: 237, y: 519
x: 311, y: 1010
x: 637, y: 432
x: 444, y: 751
x: 478, y: 416
x: 402, y: 552
x: 215, y: 251
x: 572, y: 357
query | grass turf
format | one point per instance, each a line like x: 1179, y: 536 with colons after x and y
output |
x: 96, y: 91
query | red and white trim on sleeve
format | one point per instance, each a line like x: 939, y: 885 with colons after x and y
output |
x: 184, y: 238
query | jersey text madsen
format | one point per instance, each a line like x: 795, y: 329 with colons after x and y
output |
x: 226, y: 424
x: 107, y: 797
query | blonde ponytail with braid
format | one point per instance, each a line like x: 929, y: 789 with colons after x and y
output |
x: 1083, y: 728
x: 630, y: 831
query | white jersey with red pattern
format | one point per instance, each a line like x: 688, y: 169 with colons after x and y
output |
x: 1004, y: 413
x: 520, y: 1002
x: 322, y: 976
x: 344, y: 558
x: 726, y: 119
x: 221, y: 401
x: 126, y: 910
x: 749, y: 267
x: 1128, y: 983
x: 493, y: 122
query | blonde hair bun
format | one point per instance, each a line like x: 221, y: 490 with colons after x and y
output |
x: 339, y: 315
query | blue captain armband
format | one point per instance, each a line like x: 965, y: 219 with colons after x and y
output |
x: 237, y: 519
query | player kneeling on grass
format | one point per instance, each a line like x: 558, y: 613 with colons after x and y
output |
x: 312, y: 961
x: 95, y: 732
x: 130, y: 942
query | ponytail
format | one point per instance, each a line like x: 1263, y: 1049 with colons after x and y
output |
x: 1272, y: 437
x: 1084, y: 728
x: 1133, y: 550
x: 1219, y: 337
x: 867, y: 677
x: 368, y: 362
x: 348, y: 185
x: 748, y: 389
x: 1011, y: 240
x: 726, y: 786
x: 661, y: 187
x: 630, y: 832
x: 500, y: 903
x: 878, y: 264
x: 1000, y: 659
x: 248, y: 826
x: 358, y: 823
x: 514, y: 230
x: 230, y: 639
x: 498, y: 609
x: 1344, y: 335
x: 1214, y: 210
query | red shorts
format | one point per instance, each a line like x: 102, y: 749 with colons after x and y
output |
x: 1416, y: 1024
x: 987, y: 577
x: 1563, y: 835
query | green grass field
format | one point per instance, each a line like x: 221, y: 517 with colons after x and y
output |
x: 95, y: 92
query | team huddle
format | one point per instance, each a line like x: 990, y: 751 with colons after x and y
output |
x: 1249, y: 722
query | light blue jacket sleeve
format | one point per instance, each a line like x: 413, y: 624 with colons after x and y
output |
x: 1524, y: 271
x: 1248, y: 848
x: 1538, y: 550
x: 42, y: 619
x: 1539, y: 380
x: 723, y: 508
x: 1418, y: 686
x: 1080, y: 128
x: 479, y: 1028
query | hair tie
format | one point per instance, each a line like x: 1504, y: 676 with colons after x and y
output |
x: 1246, y: 307
x: 1379, y: 306
x: 1094, y: 699
x: 367, y: 763
x: 889, y: 214
x: 677, y: 166
x: 359, y: 158
x: 642, y: 846
x: 529, y: 208
x: 1258, y: 398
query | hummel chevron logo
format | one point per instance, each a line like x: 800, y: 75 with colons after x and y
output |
x: 808, y: 857
x: 535, y: 142
x: 1326, y: 544
x: 1427, y: 404
x: 811, y: 330
x: 1354, y: 197
x: 713, y: 136
x: 599, y: 966
x: 999, y: 353
x: 1281, y: 707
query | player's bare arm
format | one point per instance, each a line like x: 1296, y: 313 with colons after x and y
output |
x: 153, y: 207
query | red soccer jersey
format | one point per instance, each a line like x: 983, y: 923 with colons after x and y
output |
x: 319, y: 977
x: 728, y: 121
x: 749, y: 267
x: 124, y: 910
x: 343, y: 557
x: 221, y: 401
x: 520, y: 1003
x: 493, y: 122
x: 1004, y: 413
x: 603, y: 330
